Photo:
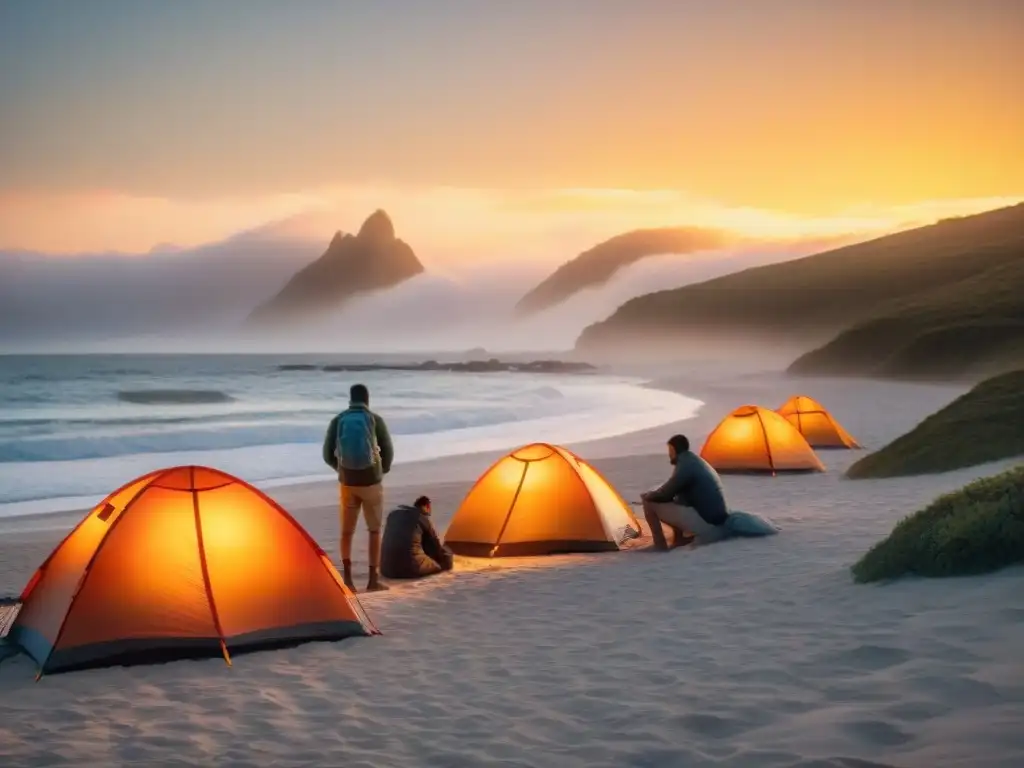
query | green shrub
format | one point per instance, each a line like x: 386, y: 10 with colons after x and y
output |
x: 978, y: 529
x: 986, y: 424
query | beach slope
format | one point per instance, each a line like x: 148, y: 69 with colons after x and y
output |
x: 745, y: 653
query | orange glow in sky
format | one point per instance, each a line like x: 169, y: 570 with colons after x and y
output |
x: 176, y: 124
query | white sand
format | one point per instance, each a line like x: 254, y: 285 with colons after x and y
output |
x: 745, y: 653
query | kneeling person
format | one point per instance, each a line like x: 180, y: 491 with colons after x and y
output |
x: 691, y: 501
x: 411, y: 548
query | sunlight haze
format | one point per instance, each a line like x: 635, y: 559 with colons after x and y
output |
x: 484, y: 126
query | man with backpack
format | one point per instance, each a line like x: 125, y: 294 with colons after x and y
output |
x: 358, y: 446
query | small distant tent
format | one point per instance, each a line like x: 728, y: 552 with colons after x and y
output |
x: 816, y: 424
x: 540, y: 499
x: 187, y: 561
x: 755, y: 439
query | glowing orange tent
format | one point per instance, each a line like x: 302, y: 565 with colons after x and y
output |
x: 755, y: 439
x: 187, y: 561
x: 816, y: 424
x: 540, y: 499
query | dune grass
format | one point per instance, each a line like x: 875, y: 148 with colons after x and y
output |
x: 978, y: 529
x: 986, y: 424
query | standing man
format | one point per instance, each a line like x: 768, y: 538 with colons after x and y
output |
x: 358, y: 446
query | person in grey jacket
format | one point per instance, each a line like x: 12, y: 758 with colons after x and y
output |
x: 691, y: 502
x: 358, y: 447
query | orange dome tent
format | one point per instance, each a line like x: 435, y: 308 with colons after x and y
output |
x: 816, y: 424
x: 755, y: 439
x: 540, y: 499
x: 187, y: 561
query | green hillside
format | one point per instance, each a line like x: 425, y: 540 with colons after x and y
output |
x: 892, y: 290
x: 978, y: 529
x: 974, y: 326
x: 986, y: 424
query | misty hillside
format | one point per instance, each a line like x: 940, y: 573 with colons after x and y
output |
x: 596, y: 266
x: 959, y: 272
x: 432, y: 311
x: 45, y: 297
x: 200, y: 298
x: 371, y: 260
x: 972, y: 327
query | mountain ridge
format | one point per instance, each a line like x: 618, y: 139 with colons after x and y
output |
x: 918, y: 273
x: 371, y: 260
x: 597, y: 265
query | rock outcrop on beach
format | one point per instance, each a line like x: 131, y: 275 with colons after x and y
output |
x: 942, y: 300
x: 596, y: 266
x: 372, y: 260
x: 492, y: 365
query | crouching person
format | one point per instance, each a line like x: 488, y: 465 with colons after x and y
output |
x: 411, y: 548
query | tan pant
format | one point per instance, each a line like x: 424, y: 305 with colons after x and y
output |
x: 686, y: 519
x: 370, y: 499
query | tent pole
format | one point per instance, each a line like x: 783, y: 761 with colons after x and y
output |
x: 224, y: 650
x: 511, y: 507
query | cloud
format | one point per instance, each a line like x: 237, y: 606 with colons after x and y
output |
x: 449, y: 227
x: 107, y: 221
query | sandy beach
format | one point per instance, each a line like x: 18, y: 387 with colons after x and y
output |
x: 744, y: 653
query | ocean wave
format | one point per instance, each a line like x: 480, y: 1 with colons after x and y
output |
x: 61, y: 441
x: 47, y: 422
x: 32, y: 487
x: 67, y: 433
x: 546, y: 393
x: 76, y: 438
x: 174, y: 396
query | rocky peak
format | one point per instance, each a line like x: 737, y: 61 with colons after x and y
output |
x: 373, y: 260
x: 377, y: 228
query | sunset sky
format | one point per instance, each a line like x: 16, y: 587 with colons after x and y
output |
x: 128, y: 124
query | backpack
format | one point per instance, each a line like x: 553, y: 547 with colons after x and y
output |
x: 357, y: 440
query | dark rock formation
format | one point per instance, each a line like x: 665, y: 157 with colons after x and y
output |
x: 473, y: 366
x: 352, y: 265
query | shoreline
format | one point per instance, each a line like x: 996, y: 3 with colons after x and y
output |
x: 715, y: 402
x: 780, y: 658
x: 453, y: 467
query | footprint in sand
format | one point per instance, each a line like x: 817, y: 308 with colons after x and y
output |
x: 712, y: 725
x: 1012, y: 614
x: 916, y: 711
x: 877, y: 733
x: 871, y: 657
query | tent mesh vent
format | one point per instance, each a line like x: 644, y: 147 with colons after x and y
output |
x: 8, y: 613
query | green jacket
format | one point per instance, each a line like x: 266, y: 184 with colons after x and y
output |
x: 360, y: 477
